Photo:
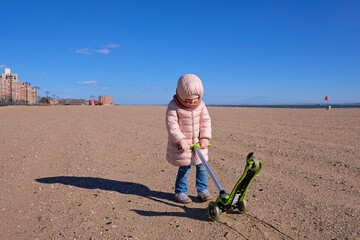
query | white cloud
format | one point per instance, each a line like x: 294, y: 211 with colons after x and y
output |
x: 112, y: 45
x: 92, y: 51
x: 153, y: 88
x: 87, y: 83
x: 84, y: 51
x: 103, y: 51
x: 2, y: 66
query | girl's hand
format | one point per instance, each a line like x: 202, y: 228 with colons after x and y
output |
x: 184, y: 145
x: 204, y: 142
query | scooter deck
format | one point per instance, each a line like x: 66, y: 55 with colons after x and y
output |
x: 235, y: 199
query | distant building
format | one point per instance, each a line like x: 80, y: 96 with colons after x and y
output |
x: 53, y: 102
x: 71, y: 101
x: 9, y: 76
x: 4, y: 89
x: 14, y: 91
x: 107, y: 100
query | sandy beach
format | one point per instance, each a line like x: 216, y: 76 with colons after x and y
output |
x: 82, y: 172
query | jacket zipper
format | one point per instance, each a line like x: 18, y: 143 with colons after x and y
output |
x: 192, y: 127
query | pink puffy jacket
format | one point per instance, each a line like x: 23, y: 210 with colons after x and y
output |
x: 188, y: 125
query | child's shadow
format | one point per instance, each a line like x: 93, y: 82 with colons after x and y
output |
x: 132, y: 189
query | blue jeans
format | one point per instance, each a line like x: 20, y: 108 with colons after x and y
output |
x: 181, y: 179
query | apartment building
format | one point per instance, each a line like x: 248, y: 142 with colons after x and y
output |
x: 4, y: 89
x: 14, y: 91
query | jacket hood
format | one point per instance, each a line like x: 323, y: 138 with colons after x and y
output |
x: 189, y: 86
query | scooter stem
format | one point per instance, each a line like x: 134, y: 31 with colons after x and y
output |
x: 208, y: 169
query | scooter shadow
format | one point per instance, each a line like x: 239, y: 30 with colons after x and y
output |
x: 132, y: 189
x: 193, y: 213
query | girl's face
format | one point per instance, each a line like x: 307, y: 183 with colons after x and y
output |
x: 192, y: 100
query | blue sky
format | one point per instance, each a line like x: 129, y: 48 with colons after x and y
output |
x: 245, y: 52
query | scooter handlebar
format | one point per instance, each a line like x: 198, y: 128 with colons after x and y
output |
x: 198, y: 145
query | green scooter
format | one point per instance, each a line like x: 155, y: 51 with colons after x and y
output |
x: 236, y: 199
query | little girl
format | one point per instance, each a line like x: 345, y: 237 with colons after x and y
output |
x: 188, y: 122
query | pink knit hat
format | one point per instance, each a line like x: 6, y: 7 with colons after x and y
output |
x: 189, y: 86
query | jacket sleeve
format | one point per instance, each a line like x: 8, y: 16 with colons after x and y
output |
x: 172, y: 124
x: 205, y: 124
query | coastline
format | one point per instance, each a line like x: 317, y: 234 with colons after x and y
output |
x: 309, y: 105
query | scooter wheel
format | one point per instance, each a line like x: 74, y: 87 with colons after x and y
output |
x: 213, y: 211
x: 242, y: 206
x: 256, y: 165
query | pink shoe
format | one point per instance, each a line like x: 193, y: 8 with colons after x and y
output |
x: 204, y: 195
x: 182, y: 198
